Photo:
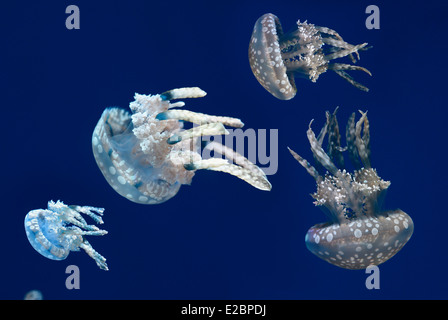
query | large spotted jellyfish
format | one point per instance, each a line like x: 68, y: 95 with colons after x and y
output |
x: 306, y: 52
x: 146, y: 155
x: 358, y: 233
x: 59, y: 229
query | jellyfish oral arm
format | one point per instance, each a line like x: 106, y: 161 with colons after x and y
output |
x: 89, y: 211
x: 243, y: 168
x: 209, y: 129
x: 300, y: 57
x: 359, y: 145
x: 309, y: 168
x: 182, y: 93
x: 99, y: 259
x: 199, y: 118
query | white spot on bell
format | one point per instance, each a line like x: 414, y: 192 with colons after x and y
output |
x: 121, y: 180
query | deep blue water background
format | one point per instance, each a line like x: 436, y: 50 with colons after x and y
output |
x: 218, y: 238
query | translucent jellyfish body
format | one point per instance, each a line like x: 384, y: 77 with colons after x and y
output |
x: 358, y: 233
x: 33, y: 295
x: 56, y: 231
x: 146, y: 155
x: 276, y: 58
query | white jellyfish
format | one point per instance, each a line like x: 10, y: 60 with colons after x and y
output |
x: 146, y: 155
x: 358, y: 233
x: 306, y: 52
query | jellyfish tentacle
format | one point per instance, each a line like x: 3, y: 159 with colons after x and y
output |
x: 320, y: 139
x: 344, y: 52
x: 329, y: 31
x: 99, y: 259
x: 235, y: 157
x: 199, y: 118
x: 178, y: 104
x: 182, y: 93
x: 237, y: 171
x: 334, y: 139
x: 323, y: 132
x: 319, y: 153
x: 309, y: 168
x: 337, y: 36
x: 366, y: 136
x: 333, y: 33
x: 80, y: 232
x: 362, y: 142
x: 209, y: 129
x: 343, y: 66
x: 350, y: 135
x: 90, y: 211
x: 243, y: 168
x: 337, y: 44
x: 323, y: 158
x: 205, y: 164
x: 253, y: 172
x: 72, y: 216
x: 349, y: 79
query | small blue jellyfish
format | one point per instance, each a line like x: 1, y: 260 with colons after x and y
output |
x: 358, y: 233
x: 56, y: 231
x: 275, y: 58
x: 146, y: 155
x: 33, y: 295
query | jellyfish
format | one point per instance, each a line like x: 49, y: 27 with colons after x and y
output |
x: 33, y: 295
x: 358, y: 233
x: 146, y: 155
x: 56, y: 231
x: 276, y: 58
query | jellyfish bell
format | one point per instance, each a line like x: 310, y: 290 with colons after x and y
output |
x: 276, y: 58
x: 33, y: 295
x: 115, y: 151
x: 42, y: 232
x: 146, y: 156
x: 365, y: 241
x: 358, y: 233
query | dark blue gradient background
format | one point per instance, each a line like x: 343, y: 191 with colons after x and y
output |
x: 219, y: 238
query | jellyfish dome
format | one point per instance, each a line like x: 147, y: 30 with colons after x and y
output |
x: 145, y: 155
x: 358, y: 233
x: 276, y: 58
x: 56, y: 231
x: 33, y: 295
